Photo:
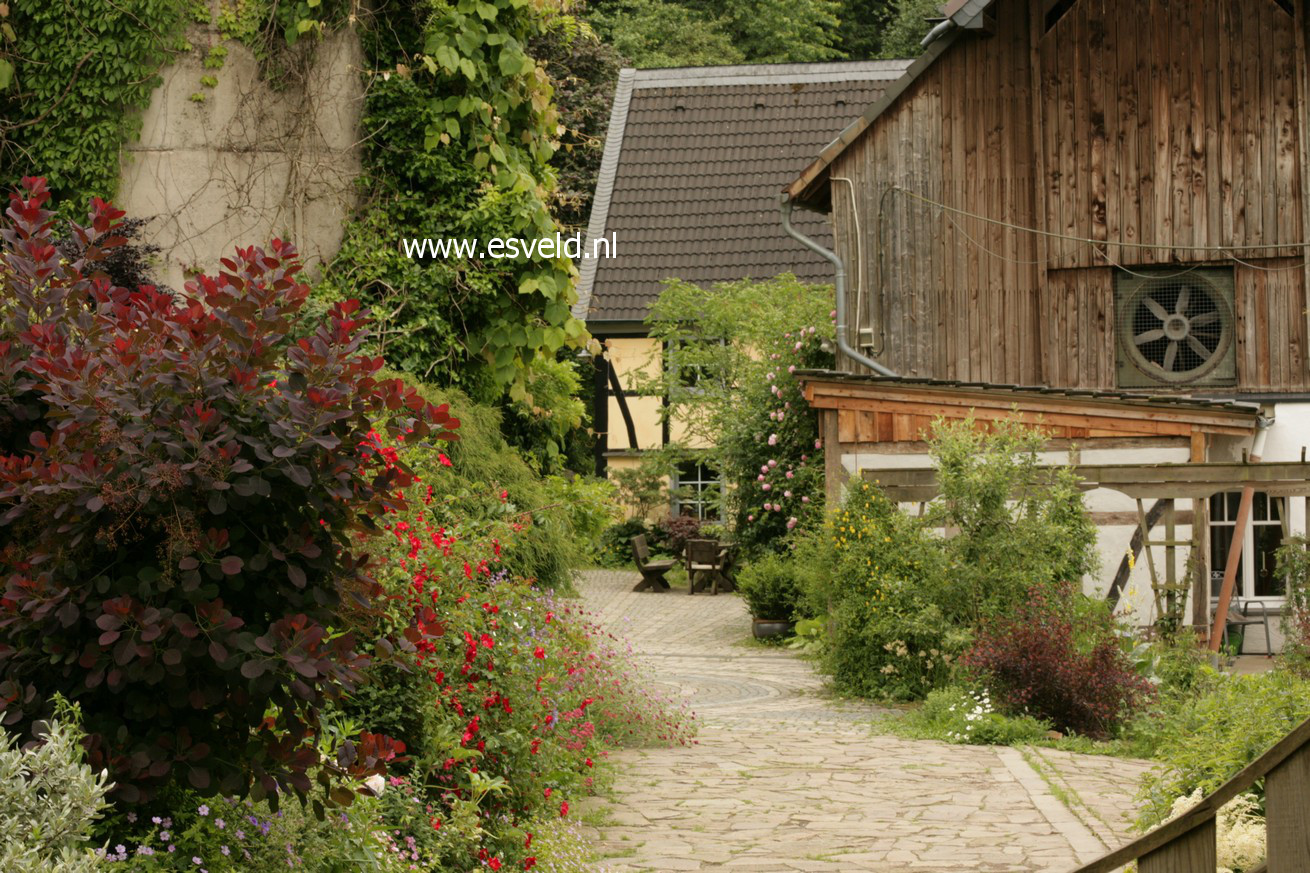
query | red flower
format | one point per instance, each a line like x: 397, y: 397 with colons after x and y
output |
x: 539, y: 652
x: 529, y: 863
x: 563, y: 809
x: 494, y: 863
x: 445, y: 462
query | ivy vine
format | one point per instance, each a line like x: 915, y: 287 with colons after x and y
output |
x: 74, y: 76
x: 460, y: 130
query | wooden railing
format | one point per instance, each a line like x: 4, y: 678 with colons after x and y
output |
x: 1187, y: 844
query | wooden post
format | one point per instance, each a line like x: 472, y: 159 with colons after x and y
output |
x: 1200, y: 542
x: 1190, y: 853
x: 1170, y: 559
x: 1287, y: 816
x: 834, y: 474
x: 1239, y: 537
x: 1146, y: 550
x: 1230, y: 571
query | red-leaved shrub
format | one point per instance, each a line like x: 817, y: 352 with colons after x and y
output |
x: 181, y: 486
x: 1056, y: 662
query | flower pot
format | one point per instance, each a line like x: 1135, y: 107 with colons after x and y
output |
x: 762, y: 628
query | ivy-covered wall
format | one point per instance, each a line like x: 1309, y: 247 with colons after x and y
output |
x: 343, y: 126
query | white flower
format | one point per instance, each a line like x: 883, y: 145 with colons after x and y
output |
x: 376, y: 784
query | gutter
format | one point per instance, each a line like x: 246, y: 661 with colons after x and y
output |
x: 839, y: 284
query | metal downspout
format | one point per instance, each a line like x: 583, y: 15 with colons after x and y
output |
x: 839, y: 284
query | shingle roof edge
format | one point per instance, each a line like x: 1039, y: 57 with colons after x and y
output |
x: 770, y: 74
x: 600, y: 203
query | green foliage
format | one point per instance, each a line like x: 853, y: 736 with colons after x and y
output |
x: 583, y: 71
x: 904, y: 601
x: 458, y: 144
x: 684, y: 33
x: 957, y: 714
x: 1294, y: 566
x: 890, y: 634
x: 1204, y: 739
x: 49, y: 799
x: 1020, y: 524
x: 234, y: 836
x: 79, y: 75
x: 616, y: 542
x: 489, y: 482
x: 907, y: 25
x: 769, y: 587
x: 732, y: 353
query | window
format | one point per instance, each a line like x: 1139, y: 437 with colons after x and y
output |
x: 696, y: 491
x: 1256, y: 579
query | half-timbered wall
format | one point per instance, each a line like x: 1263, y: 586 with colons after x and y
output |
x: 1150, y: 122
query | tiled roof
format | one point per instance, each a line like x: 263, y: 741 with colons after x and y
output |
x: 693, y: 164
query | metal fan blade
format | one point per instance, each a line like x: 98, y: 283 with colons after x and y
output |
x: 1184, y: 297
x: 1198, y: 347
x: 1205, y: 318
x: 1156, y: 309
x: 1170, y: 355
x: 1150, y: 336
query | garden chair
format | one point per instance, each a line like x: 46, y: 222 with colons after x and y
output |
x: 705, y: 564
x: 652, y: 572
x: 1246, y: 613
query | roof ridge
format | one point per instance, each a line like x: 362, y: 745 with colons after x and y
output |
x: 757, y: 74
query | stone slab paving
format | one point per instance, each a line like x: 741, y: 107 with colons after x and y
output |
x: 786, y: 778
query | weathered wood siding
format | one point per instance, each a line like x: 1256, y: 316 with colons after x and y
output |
x: 961, y: 134
x: 1158, y: 122
x: 1169, y: 122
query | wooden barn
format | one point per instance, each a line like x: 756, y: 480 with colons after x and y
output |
x: 1090, y: 213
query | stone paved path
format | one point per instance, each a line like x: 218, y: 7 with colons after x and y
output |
x: 785, y: 778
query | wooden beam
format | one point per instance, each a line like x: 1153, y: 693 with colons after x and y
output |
x: 932, y: 400
x: 1235, y: 553
x: 1145, y: 480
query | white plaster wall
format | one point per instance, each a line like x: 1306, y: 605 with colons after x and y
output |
x: 250, y: 162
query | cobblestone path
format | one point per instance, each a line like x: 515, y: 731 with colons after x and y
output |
x: 786, y: 778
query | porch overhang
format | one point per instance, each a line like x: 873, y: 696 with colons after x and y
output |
x: 873, y: 410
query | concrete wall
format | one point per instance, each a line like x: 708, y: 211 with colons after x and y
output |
x: 250, y: 162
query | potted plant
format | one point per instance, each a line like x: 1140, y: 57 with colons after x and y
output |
x: 770, y: 589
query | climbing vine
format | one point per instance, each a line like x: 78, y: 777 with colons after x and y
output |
x: 460, y: 130
x: 74, y: 75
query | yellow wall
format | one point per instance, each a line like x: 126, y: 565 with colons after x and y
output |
x: 645, y: 418
x: 634, y: 357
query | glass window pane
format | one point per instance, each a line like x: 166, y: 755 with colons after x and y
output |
x: 1220, y: 543
x: 1267, y: 538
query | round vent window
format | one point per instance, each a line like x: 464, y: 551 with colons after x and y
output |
x: 1178, y: 328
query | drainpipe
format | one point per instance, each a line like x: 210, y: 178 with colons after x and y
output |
x: 839, y: 283
x: 1243, y: 519
x: 937, y: 31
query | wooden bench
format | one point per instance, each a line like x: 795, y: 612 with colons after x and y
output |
x: 652, y: 572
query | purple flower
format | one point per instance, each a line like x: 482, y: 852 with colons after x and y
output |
x: 195, y: 859
x: 203, y: 810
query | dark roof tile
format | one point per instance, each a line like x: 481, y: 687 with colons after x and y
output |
x: 693, y: 178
